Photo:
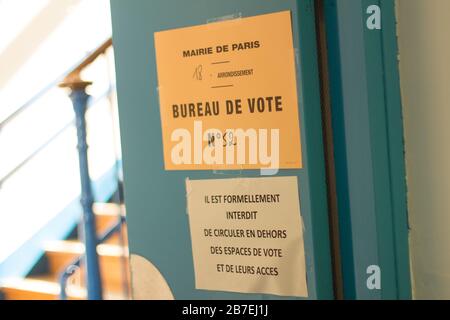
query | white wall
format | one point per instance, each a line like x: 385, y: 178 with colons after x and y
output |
x: 424, y: 40
x: 45, y: 18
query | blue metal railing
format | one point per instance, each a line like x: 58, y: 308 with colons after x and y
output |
x: 76, y: 264
x: 80, y: 101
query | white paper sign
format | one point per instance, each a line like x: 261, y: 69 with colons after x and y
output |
x: 247, y: 235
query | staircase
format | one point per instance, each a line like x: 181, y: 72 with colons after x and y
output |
x: 42, y: 282
x: 48, y: 165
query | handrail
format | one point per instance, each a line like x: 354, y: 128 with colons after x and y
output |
x: 91, y: 58
x: 74, y: 70
x: 80, y: 100
x: 68, y: 76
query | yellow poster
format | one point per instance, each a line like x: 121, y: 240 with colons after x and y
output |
x: 247, y: 236
x: 228, y: 95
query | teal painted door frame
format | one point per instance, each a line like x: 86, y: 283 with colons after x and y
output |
x: 369, y: 149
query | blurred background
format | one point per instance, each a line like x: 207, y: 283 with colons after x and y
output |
x: 43, y: 44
